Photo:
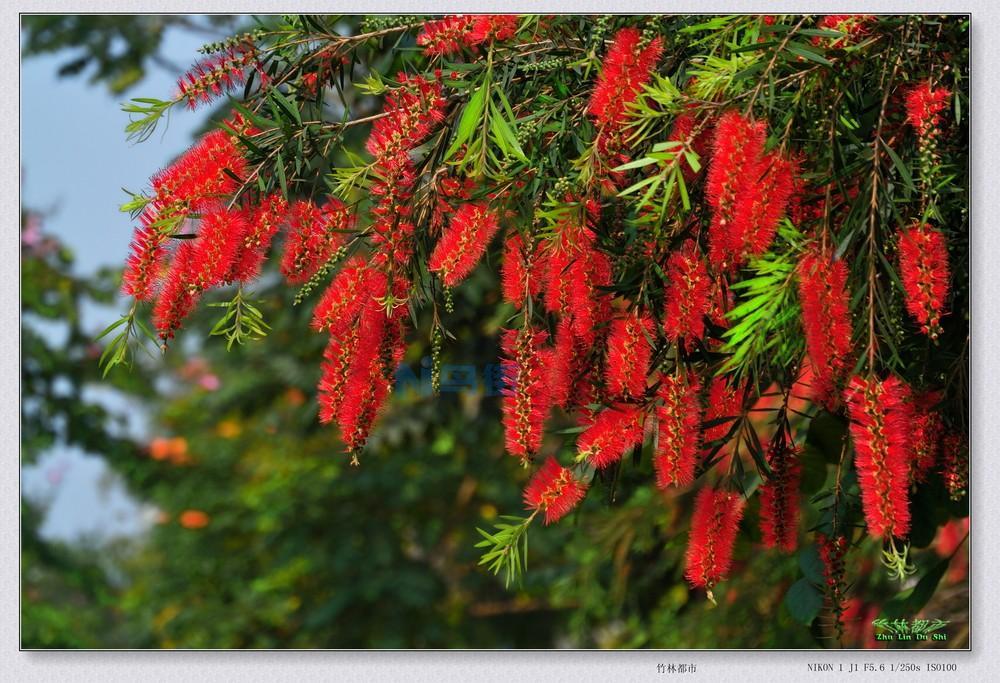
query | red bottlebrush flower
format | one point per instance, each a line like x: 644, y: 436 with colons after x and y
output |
x: 446, y: 36
x: 629, y: 352
x: 686, y: 296
x: 612, y: 432
x: 725, y: 404
x: 217, y: 74
x: 626, y: 69
x: 927, y: 429
x: 714, y: 525
x: 199, y: 177
x: 463, y: 243
x: 826, y: 321
x: 519, y: 276
x: 924, y: 105
x: 880, y: 422
x: 314, y: 236
x: 738, y: 145
x: 553, y: 490
x: 570, y: 376
x: 526, y: 397
x: 764, y: 201
x: 334, y: 372
x: 220, y: 236
x: 923, y: 268
x: 955, y: 464
x: 853, y: 25
x: 264, y: 222
x: 679, y: 419
x: 489, y: 28
x: 779, y: 497
x: 147, y: 251
x: 412, y: 112
x: 341, y: 304
x: 683, y: 130
x: 176, y: 299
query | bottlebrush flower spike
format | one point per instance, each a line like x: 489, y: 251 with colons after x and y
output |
x: 570, y: 376
x: 217, y: 74
x: 554, y: 491
x: 146, y: 256
x: 199, y: 177
x: 176, y: 299
x: 411, y: 113
x: 314, y: 235
x: 826, y: 322
x: 264, y: 220
x: 526, y: 397
x: 342, y: 302
x: 629, y: 352
x: 520, y: 278
x: 714, y: 525
x: 928, y: 430
x: 779, y: 497
x: 854, y: 26
x: 448, y: 36
x: 686, y: 296
x: 738, y: 144
x: 463, y: 243
x: 764, y: 201
x: 683, y: 130
x: 831, y: 554
x: 725, y: 404
x: 924, y: 271
x: 334, y: 372
x: 924, y: 105
x: 955, y: 464
x: 220, y: 236
x: 880, y: 422
x: 612, y: 432
x: 679, y: 420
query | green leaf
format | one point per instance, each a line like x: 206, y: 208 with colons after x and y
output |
x: 471, y: 116
x: 803, y: 601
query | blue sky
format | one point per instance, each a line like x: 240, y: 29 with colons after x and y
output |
x: 74, y: 161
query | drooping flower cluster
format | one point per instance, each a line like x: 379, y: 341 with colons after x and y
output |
x: 779, y: 497
x: 554, y: 491
x: 315, y: 233
x: 447, y: 36
x: 629, y: 352
x: 714, y: 524
x: 725, y: 405
x: 923, y: 269
x: 881, y: 419
x: 928, y: 430
x: 627, y: 67
x: 831, y: 554
x: 463, y: 243
x: 611, y: 433
x: 679, y: 424
x: 219, y: 73
x: 747, y: 190
x: 526, y: 396
x: 686, y: 296
x: 264, y: 222
x: 826, y: 322
x: 520, y: 277
x: 198, y: 179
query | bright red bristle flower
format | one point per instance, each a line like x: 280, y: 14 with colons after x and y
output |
x: 881, y: 419
x: 955, y: 464
x: 554, y: 491
x: 725, y: 405
x: 463, y: 243
x: 629, y: 352
x: 203, y: 175
x: 826, y: 322
x: 610, y: 434
x: 264, y: 221
x: 526, y: 394
x: 314, y: 236
x: 679, y: 421
x: 764, y: 201
x: 924, y: 271
x: 216, y: 246
x: 738, y: 145
x: 411, y: 113
x: 334, y: 372
x: 520, y: 278
x: 779, y: 497
x: 924, y: 105
x: 176, y: 298
x: 626, y: 69
x: 146, y: 255
x: 686, y: 296
x: 218, y: 74
x: 714, y: 525
x: 449, y: 35
x: 342, y: 302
